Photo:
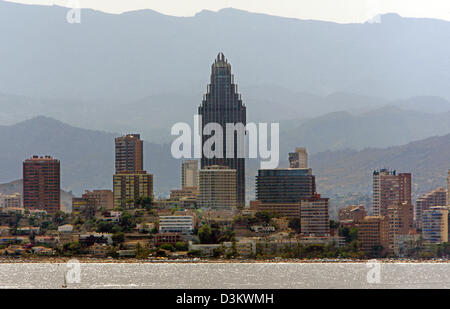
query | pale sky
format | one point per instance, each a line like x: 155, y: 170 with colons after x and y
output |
x: 342, y: 11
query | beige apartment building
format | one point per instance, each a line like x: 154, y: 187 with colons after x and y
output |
x: 448, y: 188
x: 373, y: 232
x: 189, y: 174
x: 130, y: 186
x: 433, y: 198
x: 100, y: 199
x: 299, y: 158
x: 217, y: 187
x: 288, y: 210
x: 400, y: 222
x: 11, y: 200
x: 390, y: 188
x: 352, y: 213
x: 314, y: 216
x: 185, y: 193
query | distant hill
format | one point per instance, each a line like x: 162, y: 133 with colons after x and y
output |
x: 87, y: 157
x: 141, y: 53
x: 380, y: 128
x: 17, y: 186
x: 351, y: 171
x: 87, y: 160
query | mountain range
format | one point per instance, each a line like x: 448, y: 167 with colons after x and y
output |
x: 87, y: 160
x: 143, y: 71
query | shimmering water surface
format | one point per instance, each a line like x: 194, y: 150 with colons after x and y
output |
x: 227, y: 275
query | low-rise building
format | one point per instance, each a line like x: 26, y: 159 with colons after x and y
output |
x: 176, y: 224
x: 11, y: 200
x: 167, y: 238
x: 205, y: 249
x: 352, y: 213
x: 373, y: 234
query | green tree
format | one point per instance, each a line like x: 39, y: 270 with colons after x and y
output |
x: 295, y: 224
x: 118, y: 238
x: 181, y: 246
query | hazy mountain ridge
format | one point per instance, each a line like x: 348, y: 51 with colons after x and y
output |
x: 87, y: 156
x: 351, y: 171
x: 87, y: 160
x: 16, y: 186
x: 129, y: 56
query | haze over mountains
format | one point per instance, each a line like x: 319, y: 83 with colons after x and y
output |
x: 87, y: 160
x: 143, y: 71
x: 335, y: 88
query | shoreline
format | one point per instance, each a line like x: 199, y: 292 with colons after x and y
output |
x: 93, y: 260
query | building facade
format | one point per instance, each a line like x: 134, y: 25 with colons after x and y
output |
x: 390, y: 188
x: 400, y: 222
x: 448, y: 188
x: 100, y: 199
x: 222, y: 104
x: 373, y: 234
x: 11, y: 200
x: 284, y: 185
x: 352, y: 213
x: 314, y: 216
x: 217, y: 188
x: 129, y: 153
x: 288, y: 210
x: 176, y: 224
x: 435, y: 225
x: 189, y: 174
x: 299, y: 158
x: 128, y: 187
x: 433, y: 198
x: 41, y: 184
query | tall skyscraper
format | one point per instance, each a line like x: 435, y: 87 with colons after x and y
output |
x: 217, y: 188
x: 41, y: 184
x: 222, y: 104
x: 299, y: 158
x: 130, y: 181
x: 129, y: 153
x: 189, y: 174
x: 390, y: 188
x: 433, y: 198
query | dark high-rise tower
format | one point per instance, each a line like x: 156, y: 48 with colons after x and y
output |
x: 222, y: 104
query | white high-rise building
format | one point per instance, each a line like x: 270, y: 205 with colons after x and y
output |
x: 189, y: 174
x: 299, y: 158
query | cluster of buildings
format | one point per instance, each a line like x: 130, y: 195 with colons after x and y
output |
x: 213, y: 192
x: 395, y: 225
